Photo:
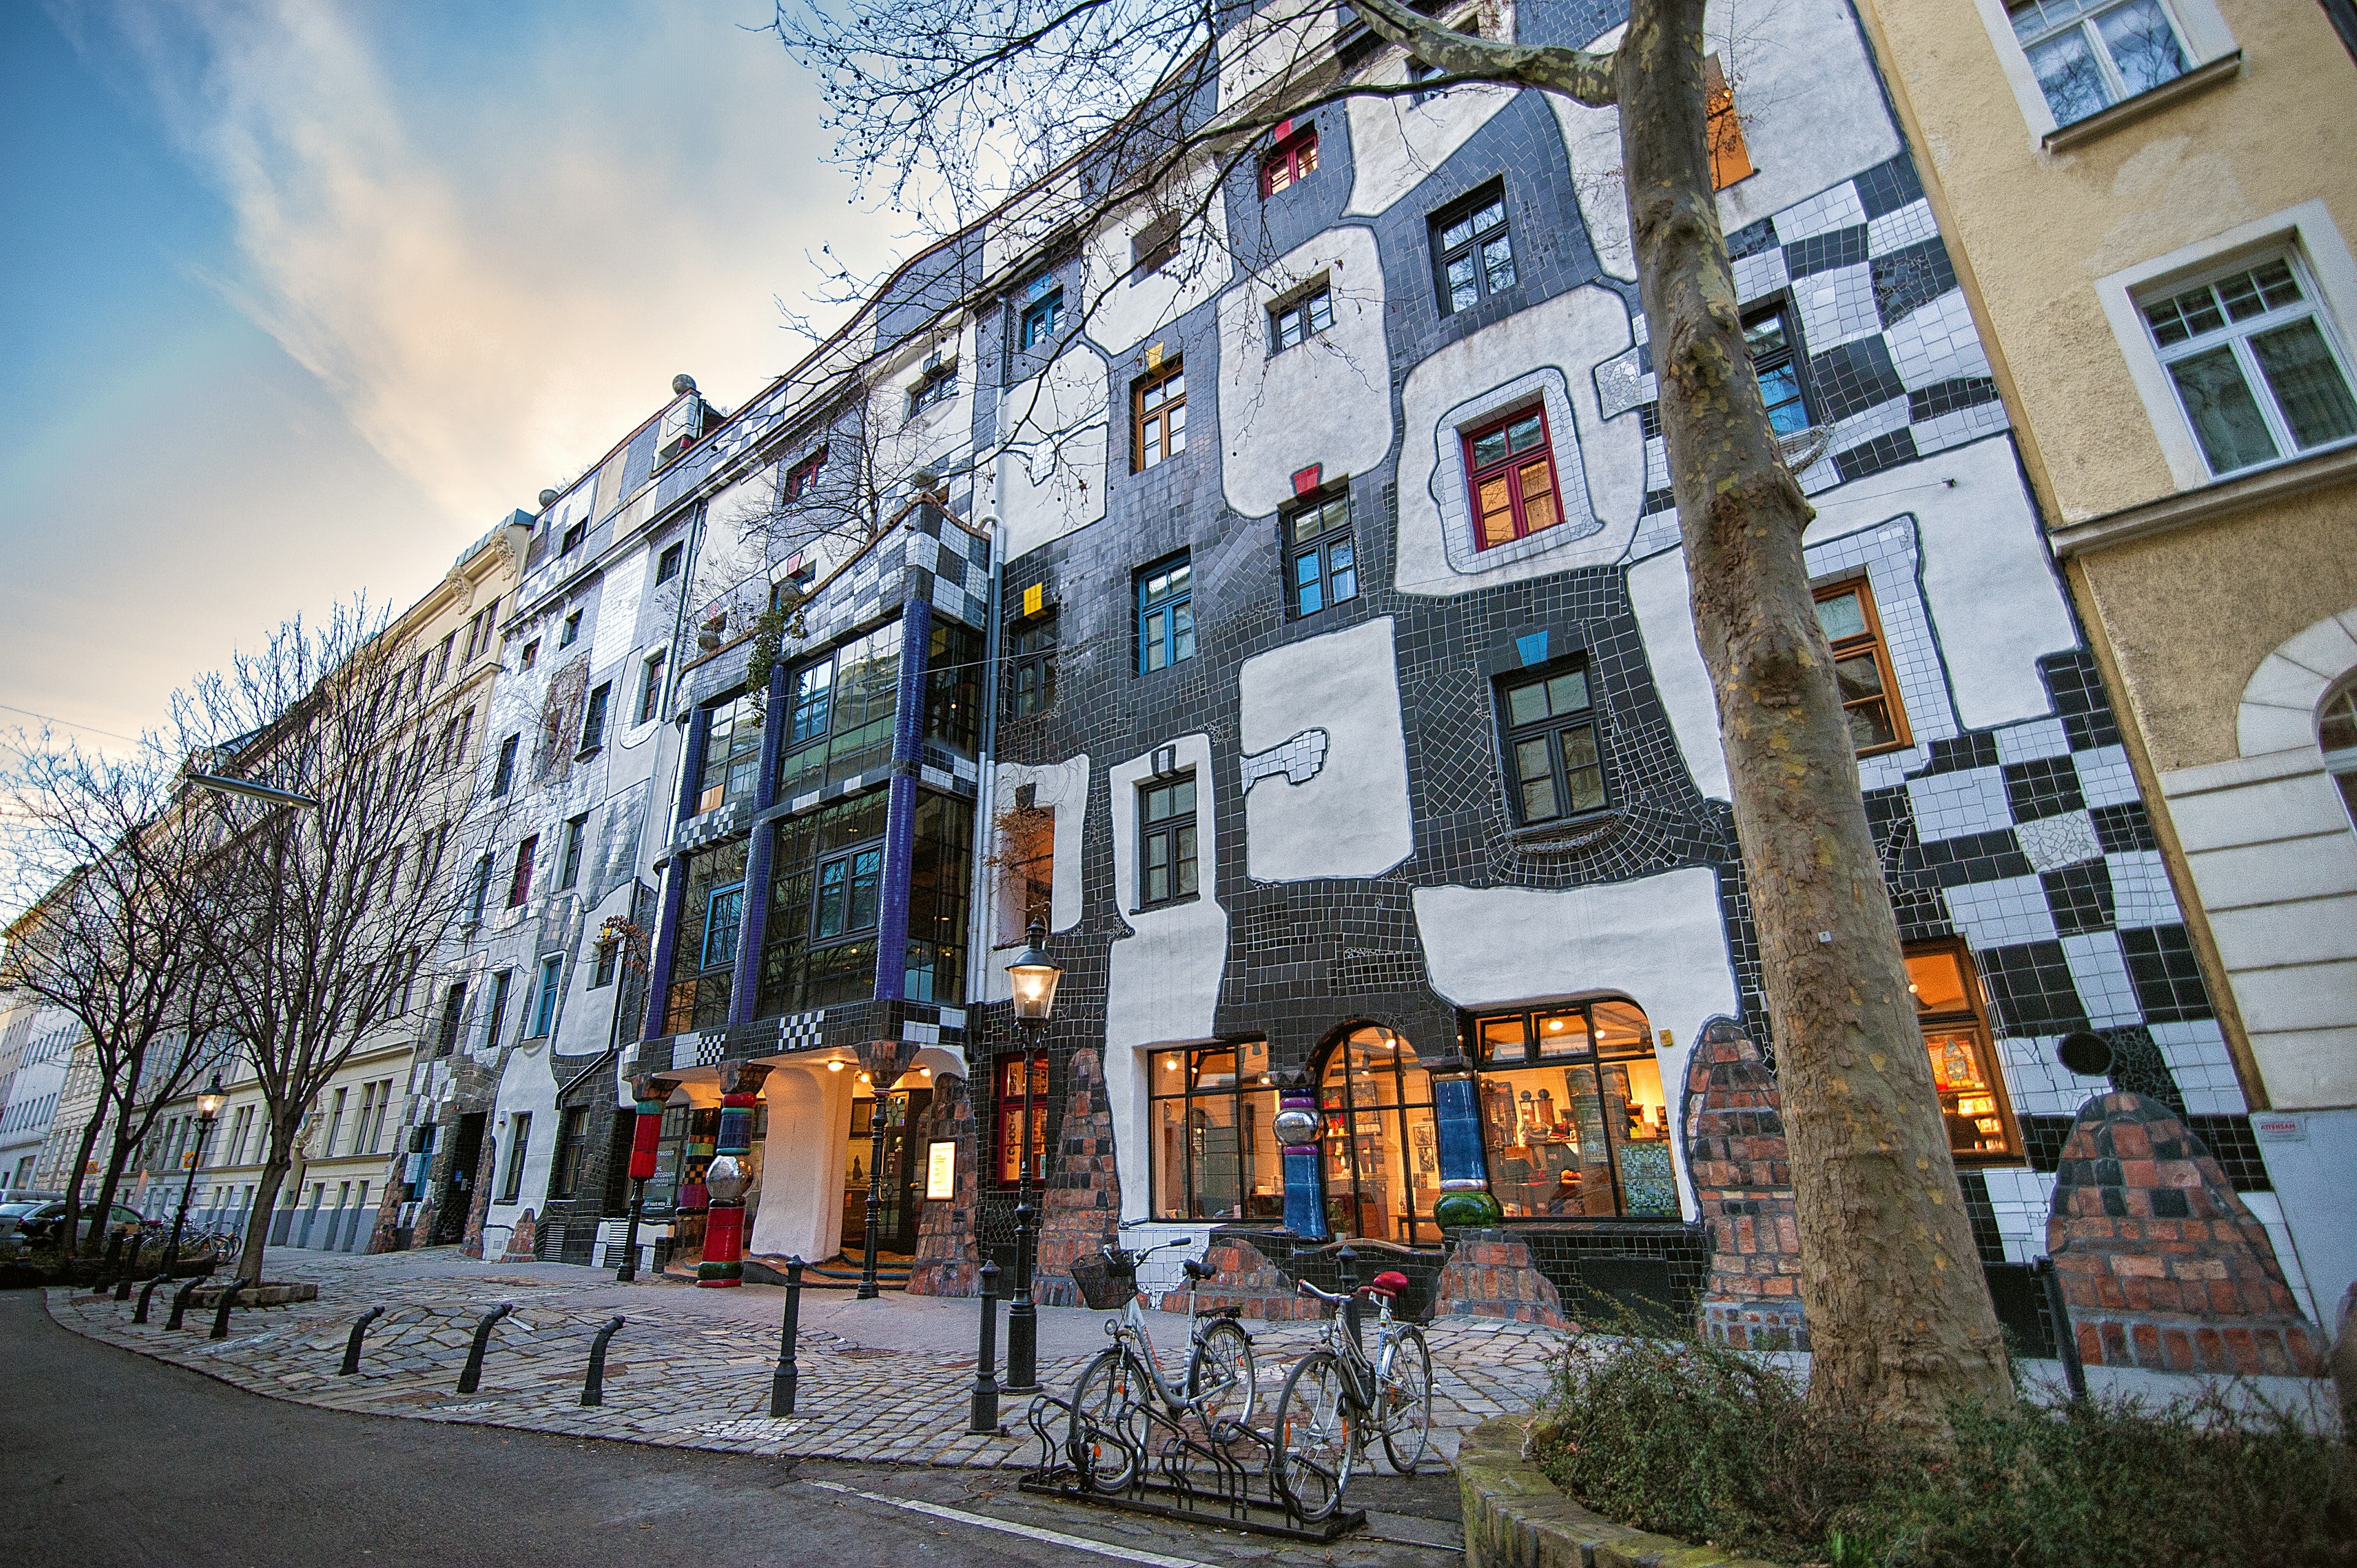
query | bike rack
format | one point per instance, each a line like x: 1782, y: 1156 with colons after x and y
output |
x: 1201, y: 1480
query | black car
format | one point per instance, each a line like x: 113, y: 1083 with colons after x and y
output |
x: 30, y: 1223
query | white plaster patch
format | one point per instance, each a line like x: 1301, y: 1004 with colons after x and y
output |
x: 798, y: 1210
x: 1057, y: 436
x: 1395, y: 145
x: 1061, y: 787
x: 1661, y: 596
x: 618, y: 621
x: 1812, y: 109
x: 1128, y: 308
x: 1569, y: 335
x: 1351, y: 817
x: 1591, y: 140
x: 1326, y: 400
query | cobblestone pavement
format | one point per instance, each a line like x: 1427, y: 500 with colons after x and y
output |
x: 879, y: 1381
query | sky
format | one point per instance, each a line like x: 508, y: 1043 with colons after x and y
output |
x: 303, y: 297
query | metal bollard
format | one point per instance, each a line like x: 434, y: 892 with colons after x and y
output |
x: 472, y: 1378
x: 986, y: 1380
x: 782, y: 1381
x: 353, y: 1345
x: 129, y: 1274
x: 593, y: 1386
x: 220, y: 1318
x: 146, y: 1292
x: 110, y: 1263
x: 180, y: 1300
x: 2066, y: 1343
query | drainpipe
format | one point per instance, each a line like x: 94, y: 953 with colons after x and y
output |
x: 979, y: 921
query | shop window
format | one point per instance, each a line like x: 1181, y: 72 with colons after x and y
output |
x: 1019, y: 1100
x: 1509, y: 472
x: 2088, y: 55
x: 1291, y: 161
x: 1214, y: 1154
x: 2256, y: 374
x: 1548, y: 724
x: 1777, y: 360
x: 1166, y: 841
x: 1379, y: 1145
x: 1472, y: 250
x: 1973, y: 1102
x: 1325, y: 558
x: 1869, y: 689
x: 1729, y: 159
x: 1158, y: 411
x: 1032, y: 668
x: 2336, y: 731
x: 1574, y: 1120
x: 732, y: 755
x: 1165, y: 615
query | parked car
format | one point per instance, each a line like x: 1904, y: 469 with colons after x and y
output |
x: 30, y: 1223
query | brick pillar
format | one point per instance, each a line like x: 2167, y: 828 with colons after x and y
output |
x: 1082, y: 1211
x: 1736, y: 1154
x: 948, y: 1257
x: 2162, y: 1265
x: 1490, y: 1274
x: 1246, y: 1279
x: 523, y: 1241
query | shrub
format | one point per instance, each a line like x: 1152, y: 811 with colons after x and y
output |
x: 1711, y: 1444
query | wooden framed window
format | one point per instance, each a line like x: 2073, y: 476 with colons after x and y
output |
x: 1964, y: 1071
x: 803, y: 474
x: 1547, y: 722
x: 568, y: 864
x: 1300, y: 318
x: 1031, y: 672
x: 520, y: 884
x: 1325, y: 569
x: 1869, y: 690
x: 650, y: 683
x: 1291, y: 161
x: 552, y: 970
x: 1473, y: 250
x: 1165, y: 615
x: 1158, y: 404
x: 1214, y: 1149
x: 1510, y: 471
x: 1021, y: 1094
x: 1729, y: 159
x: 1166, y: 841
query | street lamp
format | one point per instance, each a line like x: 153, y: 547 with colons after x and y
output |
x: 1034, y: 976
x: 209, y: 1106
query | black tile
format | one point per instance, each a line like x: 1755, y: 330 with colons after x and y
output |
x: 2081, y: 897
x: 2042, y: 1137
x: 1970, y: 858
x: 2138, y: 1067
x: 2167, y: 978
x: 2031, y: 990
x: 1947, y: 397
x: 1888, y: 186
x: 1986, y: 1238
x: 2123, y: 828
x: 1910, y: 278
x: 1657, y: 500
x: 2042, y: 786
x: 1750, y: 240
x: 1954, y: 753
x: 2088, y: 731
x: 1875, y: 455
x: 1649, y: 419
x: 1853, y: 376
x: 1823, y: 252
x: 2230, y: 1140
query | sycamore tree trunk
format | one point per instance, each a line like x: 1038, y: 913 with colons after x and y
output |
x: 266, y: 1204
x: 1899, y: 1310
x: 109, y: 1184
x: 69, y: 1223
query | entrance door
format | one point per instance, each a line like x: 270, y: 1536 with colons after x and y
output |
x: 896, y: 1228
x: 457, y: 1198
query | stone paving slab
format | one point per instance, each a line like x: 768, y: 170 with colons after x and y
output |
x: 886, y: 1381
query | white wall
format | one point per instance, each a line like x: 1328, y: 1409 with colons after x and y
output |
x: 802, y: 1160
x: 1057, y: 439
x: 1351, y: 817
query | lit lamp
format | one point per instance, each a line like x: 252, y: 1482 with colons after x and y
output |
x: 1034, y: 976
x: 209, y: 1106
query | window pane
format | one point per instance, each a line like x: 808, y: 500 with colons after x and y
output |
x: 1320, y: 309
x: 1526, y: 704
x: 1538, y: 496
x: 1288, y: 328
x: 2224, y: 415
x: 1938, y: 981
x: 1186, y: 838
x: 2276, y: 285
x: 1765, y: 336
x: 2307, y: 385
x: 1523, y: 433
x: 1857, y: 677
x: 1462, y: 290
x: 1217, y: 1158
x: 1842, y: 615
x: 1535, y: 767
x: 1620, y: 1026
x: 1489, y: 448
x: 1182, y: 633
x: 830, y: 879
x: 1489, y: 217
x: 1182, y: 797
x: 1563, y: 1033
x: 1308, y: 598
x: 2337, y: 730
x: 1583, y: 775
x: 1543, y: 1130
x: 1497, y: 511
x: 1780, y: 390
x: 1498, y: 262
x: 1343, y: 565
x: 2069, y: 76
x: 1968, y: 1103
x: 866, y: 869
x: 1869, y: 725
x: 1156, y: 653
x: 1457, y: 233
x: 2142, y: 46
x: 1640, y: 1138
x: 1504, y: 1039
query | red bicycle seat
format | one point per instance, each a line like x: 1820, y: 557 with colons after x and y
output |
x: 1388, y: 1283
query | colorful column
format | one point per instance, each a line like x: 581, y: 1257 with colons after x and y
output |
x: 1297, y: 1126
x: 1465, y: 1202
x: 724, y: 1179
x: 901, y: 811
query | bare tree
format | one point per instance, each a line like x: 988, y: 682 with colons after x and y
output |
x: 327, y: 885
x: 109, y: 850
x: 961, y: 104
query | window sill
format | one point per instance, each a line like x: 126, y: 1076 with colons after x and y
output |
x: 2128, y: 110
x: 2238, y: 492
x: 1156, y: 907
x: 587, y: 752
x: 1577, y: 832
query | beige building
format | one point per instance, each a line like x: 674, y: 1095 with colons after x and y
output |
x: 2150, y: 204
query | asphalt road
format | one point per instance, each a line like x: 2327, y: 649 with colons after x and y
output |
x: 107, y: 1457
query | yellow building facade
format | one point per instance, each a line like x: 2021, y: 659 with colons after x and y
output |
x: 2151, y: 205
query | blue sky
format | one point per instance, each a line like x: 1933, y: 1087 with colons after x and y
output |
x: 305, y: 295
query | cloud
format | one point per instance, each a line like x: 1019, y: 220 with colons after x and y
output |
x: 495, y: 236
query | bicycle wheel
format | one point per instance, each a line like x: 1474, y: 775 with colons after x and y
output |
x: 1317, y: 1437
x: 1107, y: 1435
x: 1219, y: 1375
x: 1405, y: 1379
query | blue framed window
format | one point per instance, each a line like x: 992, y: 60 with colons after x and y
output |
x: 1165, y: 615
x: 1043, y: 311
x: 543, y: 1018
x: 724, y: 912
x: 1324, y: 561
x: 849, y: 892
x: 814, y: 696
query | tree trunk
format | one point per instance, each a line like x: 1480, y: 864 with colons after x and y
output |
x: 111, y: 1184
x: 69, y: 1223
x: 1899, y: 1309
x: 265, y: 1209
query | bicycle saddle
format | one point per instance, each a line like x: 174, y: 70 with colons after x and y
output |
x: 1196, y: 1271
x: 1388, y: 1283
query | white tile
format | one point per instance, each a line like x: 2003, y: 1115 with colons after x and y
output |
x: 2025, y: 743
x: 2266, y: 1207
x: 1868, y: 423
x: 1760, y: 274
x: 1837, y: 209
x: 1949, y: 805
x: 1896, y: 231
x: 1958, y: 427
x: 2104, y: 776
x: 2141, y: 892
x: 2102, y: 977
x: 2003, y: 913
x: 1936, y: 342
x: 1836, y: 306
x: 2052, y: 843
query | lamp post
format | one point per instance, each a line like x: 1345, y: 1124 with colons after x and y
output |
x: 209, y: 1105
x: 1035, y: 975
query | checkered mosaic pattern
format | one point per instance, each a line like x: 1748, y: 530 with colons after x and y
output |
x: 1894, y: 364
x: 928, y: 557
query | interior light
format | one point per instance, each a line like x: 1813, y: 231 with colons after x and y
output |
x: 1556, y: 1025
x: 835, y: 1065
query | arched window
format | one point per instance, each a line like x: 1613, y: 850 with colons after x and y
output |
x: 1573, y: 1117
x: 1381, y: 1150
x: 2336, y: 731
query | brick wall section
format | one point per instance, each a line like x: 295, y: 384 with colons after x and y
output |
x: 948, y: 1258
x: 2162, y: 1266
x: 486, y: 1166
x: 523, y: 1240
x: 1491, y: 1275
x: 1082, y: 1208
x: 1248, y: 1281
x: 1736, y: 1152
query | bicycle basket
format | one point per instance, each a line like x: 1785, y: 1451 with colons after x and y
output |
x: 1107, y: 1281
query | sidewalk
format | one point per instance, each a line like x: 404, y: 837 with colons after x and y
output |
x: 885, y: 1381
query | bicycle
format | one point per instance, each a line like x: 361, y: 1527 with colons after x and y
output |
x: 1335, y: 1390
x: 1110, y: 1403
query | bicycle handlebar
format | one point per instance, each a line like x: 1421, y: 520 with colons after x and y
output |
x: 1325, y: 1295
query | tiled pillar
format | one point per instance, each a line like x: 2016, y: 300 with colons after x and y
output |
x: 901, y: 812
x: 674, y: 891
x: 1464, y: 1200
x: 1305, y: 1176
x: 753, y: 920
x: 724, y: 1179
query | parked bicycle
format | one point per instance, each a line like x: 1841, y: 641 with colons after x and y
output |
x: 1106, y: 1440
x: 1337, y: 1392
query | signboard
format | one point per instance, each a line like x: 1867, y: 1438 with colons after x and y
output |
x: 2276, y: 1127
x: 941, y: 1170
x: 188, y: 1159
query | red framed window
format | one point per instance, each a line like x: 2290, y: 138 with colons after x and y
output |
x: 1291, y: 161
x: 799, y: 477
x: 1022, y: 1097
x: 1510, y: 469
